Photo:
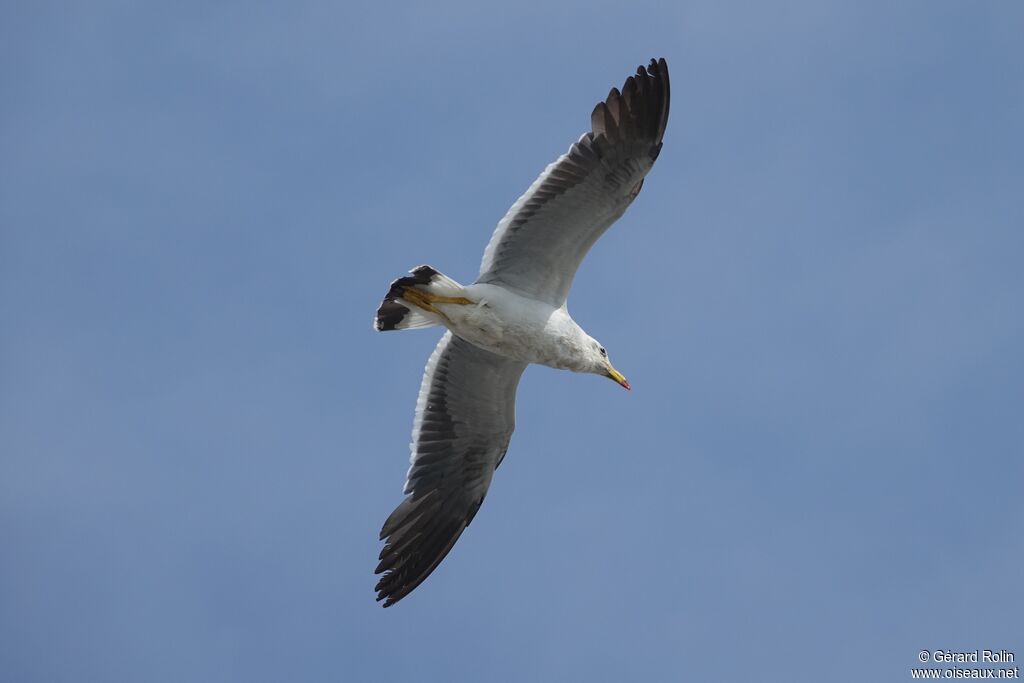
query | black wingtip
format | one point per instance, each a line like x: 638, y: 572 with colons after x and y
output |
x: 417, y: 536
x: 658, y: 69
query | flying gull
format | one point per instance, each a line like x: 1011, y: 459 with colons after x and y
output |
x: 513, y: 315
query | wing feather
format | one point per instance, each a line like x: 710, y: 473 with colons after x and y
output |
x: 465, y: 415
x: 539, y: 244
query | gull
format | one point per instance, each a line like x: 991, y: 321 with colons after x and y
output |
x: 513, y: 315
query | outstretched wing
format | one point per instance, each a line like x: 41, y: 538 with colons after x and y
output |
x: 464, y: 420
x: 541, y: 241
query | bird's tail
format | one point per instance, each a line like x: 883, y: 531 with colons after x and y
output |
x: 409, y: 302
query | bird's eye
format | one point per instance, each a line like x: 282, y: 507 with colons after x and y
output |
x: 603, y: 352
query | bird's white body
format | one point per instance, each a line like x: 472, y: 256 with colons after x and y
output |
x: 518, y: 327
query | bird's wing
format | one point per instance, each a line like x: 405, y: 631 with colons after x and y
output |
x: 464, y: 420
x: 541, y: 241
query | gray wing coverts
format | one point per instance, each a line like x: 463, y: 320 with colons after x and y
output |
x: 464, y: 421
x: 539, y: 244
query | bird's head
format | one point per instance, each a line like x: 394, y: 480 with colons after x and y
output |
x: 600, y: 365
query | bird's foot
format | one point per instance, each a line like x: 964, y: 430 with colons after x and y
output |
x: 426, y: 300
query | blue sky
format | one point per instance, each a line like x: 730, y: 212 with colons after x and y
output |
x: 816, y: 298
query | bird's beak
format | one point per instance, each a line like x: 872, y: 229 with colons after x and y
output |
x: 617, y: 376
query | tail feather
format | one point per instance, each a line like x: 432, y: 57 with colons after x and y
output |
x: 395, y: 316
x: 395, y: 313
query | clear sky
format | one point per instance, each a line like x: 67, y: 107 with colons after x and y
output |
x: 816, y: 297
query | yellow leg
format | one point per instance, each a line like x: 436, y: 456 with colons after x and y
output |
x: 435, y: 299
x: 426, y: 300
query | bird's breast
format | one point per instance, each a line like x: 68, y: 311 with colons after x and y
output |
x: 508, y: 325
